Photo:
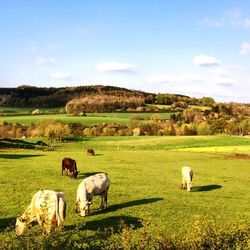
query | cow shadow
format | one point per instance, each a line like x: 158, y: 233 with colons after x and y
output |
x: 206, y: 188
x: 17, y: 156
x: 115, y: 207
x: 7, y: 222
x: 114, y: 222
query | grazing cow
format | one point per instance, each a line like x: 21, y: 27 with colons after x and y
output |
x: 187, y: 176
x: 90, y: 152
x: 47, y: 208
x: 69, y: 165
x: 93, y: 185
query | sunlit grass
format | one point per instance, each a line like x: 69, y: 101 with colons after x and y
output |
x: 145, y: 180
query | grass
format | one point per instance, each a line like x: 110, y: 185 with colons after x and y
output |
x: 90, y: 119
x: 8, y: 111
x: 145, y: 181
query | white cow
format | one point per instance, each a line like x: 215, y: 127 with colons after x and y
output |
x: 47, y: 207
x: 97, y: 184
x: 187, y: 176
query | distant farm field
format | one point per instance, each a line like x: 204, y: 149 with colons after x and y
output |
x: 145, y: 180
x: 89, y: 119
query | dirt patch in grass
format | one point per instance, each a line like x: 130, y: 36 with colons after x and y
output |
x: 238, y: 156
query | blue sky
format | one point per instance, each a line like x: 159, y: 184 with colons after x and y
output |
x: 196, y: 48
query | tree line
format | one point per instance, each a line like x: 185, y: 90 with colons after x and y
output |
x: 30, y: 96
x: 228, y: 119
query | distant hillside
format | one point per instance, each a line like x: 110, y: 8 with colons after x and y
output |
x: 30, y: 96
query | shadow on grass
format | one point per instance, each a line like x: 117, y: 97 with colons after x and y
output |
x: 97, y: 155
x: 76, y: 139
x: 113, y: 208
x: 205, y: 188
x: 6, y: 222
x: 15, y: 156
x: 106, y: 223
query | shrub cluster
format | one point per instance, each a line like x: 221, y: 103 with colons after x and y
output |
x: 56, y: 130
x: 203, y: 234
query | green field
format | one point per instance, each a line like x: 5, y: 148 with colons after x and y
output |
x: 90, y: 119
x: 8, y: 111
x: 145, y: 181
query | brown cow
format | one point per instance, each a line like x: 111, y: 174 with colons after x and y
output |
x: 69, y: 165
x: 90, y: 152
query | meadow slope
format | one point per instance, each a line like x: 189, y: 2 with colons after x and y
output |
x: 145, y: 180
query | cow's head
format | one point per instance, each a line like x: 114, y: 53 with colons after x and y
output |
x: 21, y: 225
x: 75, y: 174
x: 85, y: 207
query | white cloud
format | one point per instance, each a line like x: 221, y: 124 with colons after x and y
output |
x: 245, y: 48
x: 205, y: 61
x: 116, y: 67
x: 44, y: 61
x: 219, y: 72
x: 166, y: 78
x: 212, y: 22
x: 223, y: 81
x: 232, y: 18
x: 60, y: 76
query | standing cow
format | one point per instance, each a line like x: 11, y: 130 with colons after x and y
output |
x: 97, y: 184
x: 69, y: 165
x: 90, y: 152
x: 47, y: 208
x: 187, y: 176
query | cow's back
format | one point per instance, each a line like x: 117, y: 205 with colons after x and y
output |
x: 96, y: 184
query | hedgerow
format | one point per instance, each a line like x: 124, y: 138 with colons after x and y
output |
x: 204, y: 233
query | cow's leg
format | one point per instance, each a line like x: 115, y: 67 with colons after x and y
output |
x: 106, y: 198
x: 183, y: 184
x: 102, y: 201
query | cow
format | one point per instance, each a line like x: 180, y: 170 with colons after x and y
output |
x: 97, y: 184
x: 69, y: 165
x: 47, y: 208
x: 187, y: 176
x: 90, y: 152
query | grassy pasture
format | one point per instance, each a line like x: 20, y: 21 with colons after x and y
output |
x: 145, y: 180
x: 8, y: 111
x: 90, y: 119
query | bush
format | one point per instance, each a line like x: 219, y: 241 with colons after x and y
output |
x: 204, y: 233
x: 204, y: 129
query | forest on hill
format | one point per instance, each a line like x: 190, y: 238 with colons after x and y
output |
x: 30, y: 96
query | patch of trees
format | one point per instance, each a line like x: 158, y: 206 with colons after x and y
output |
x: 231, y: 118
x: 103, y: 103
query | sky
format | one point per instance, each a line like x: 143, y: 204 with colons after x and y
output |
x: 189, y: 47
